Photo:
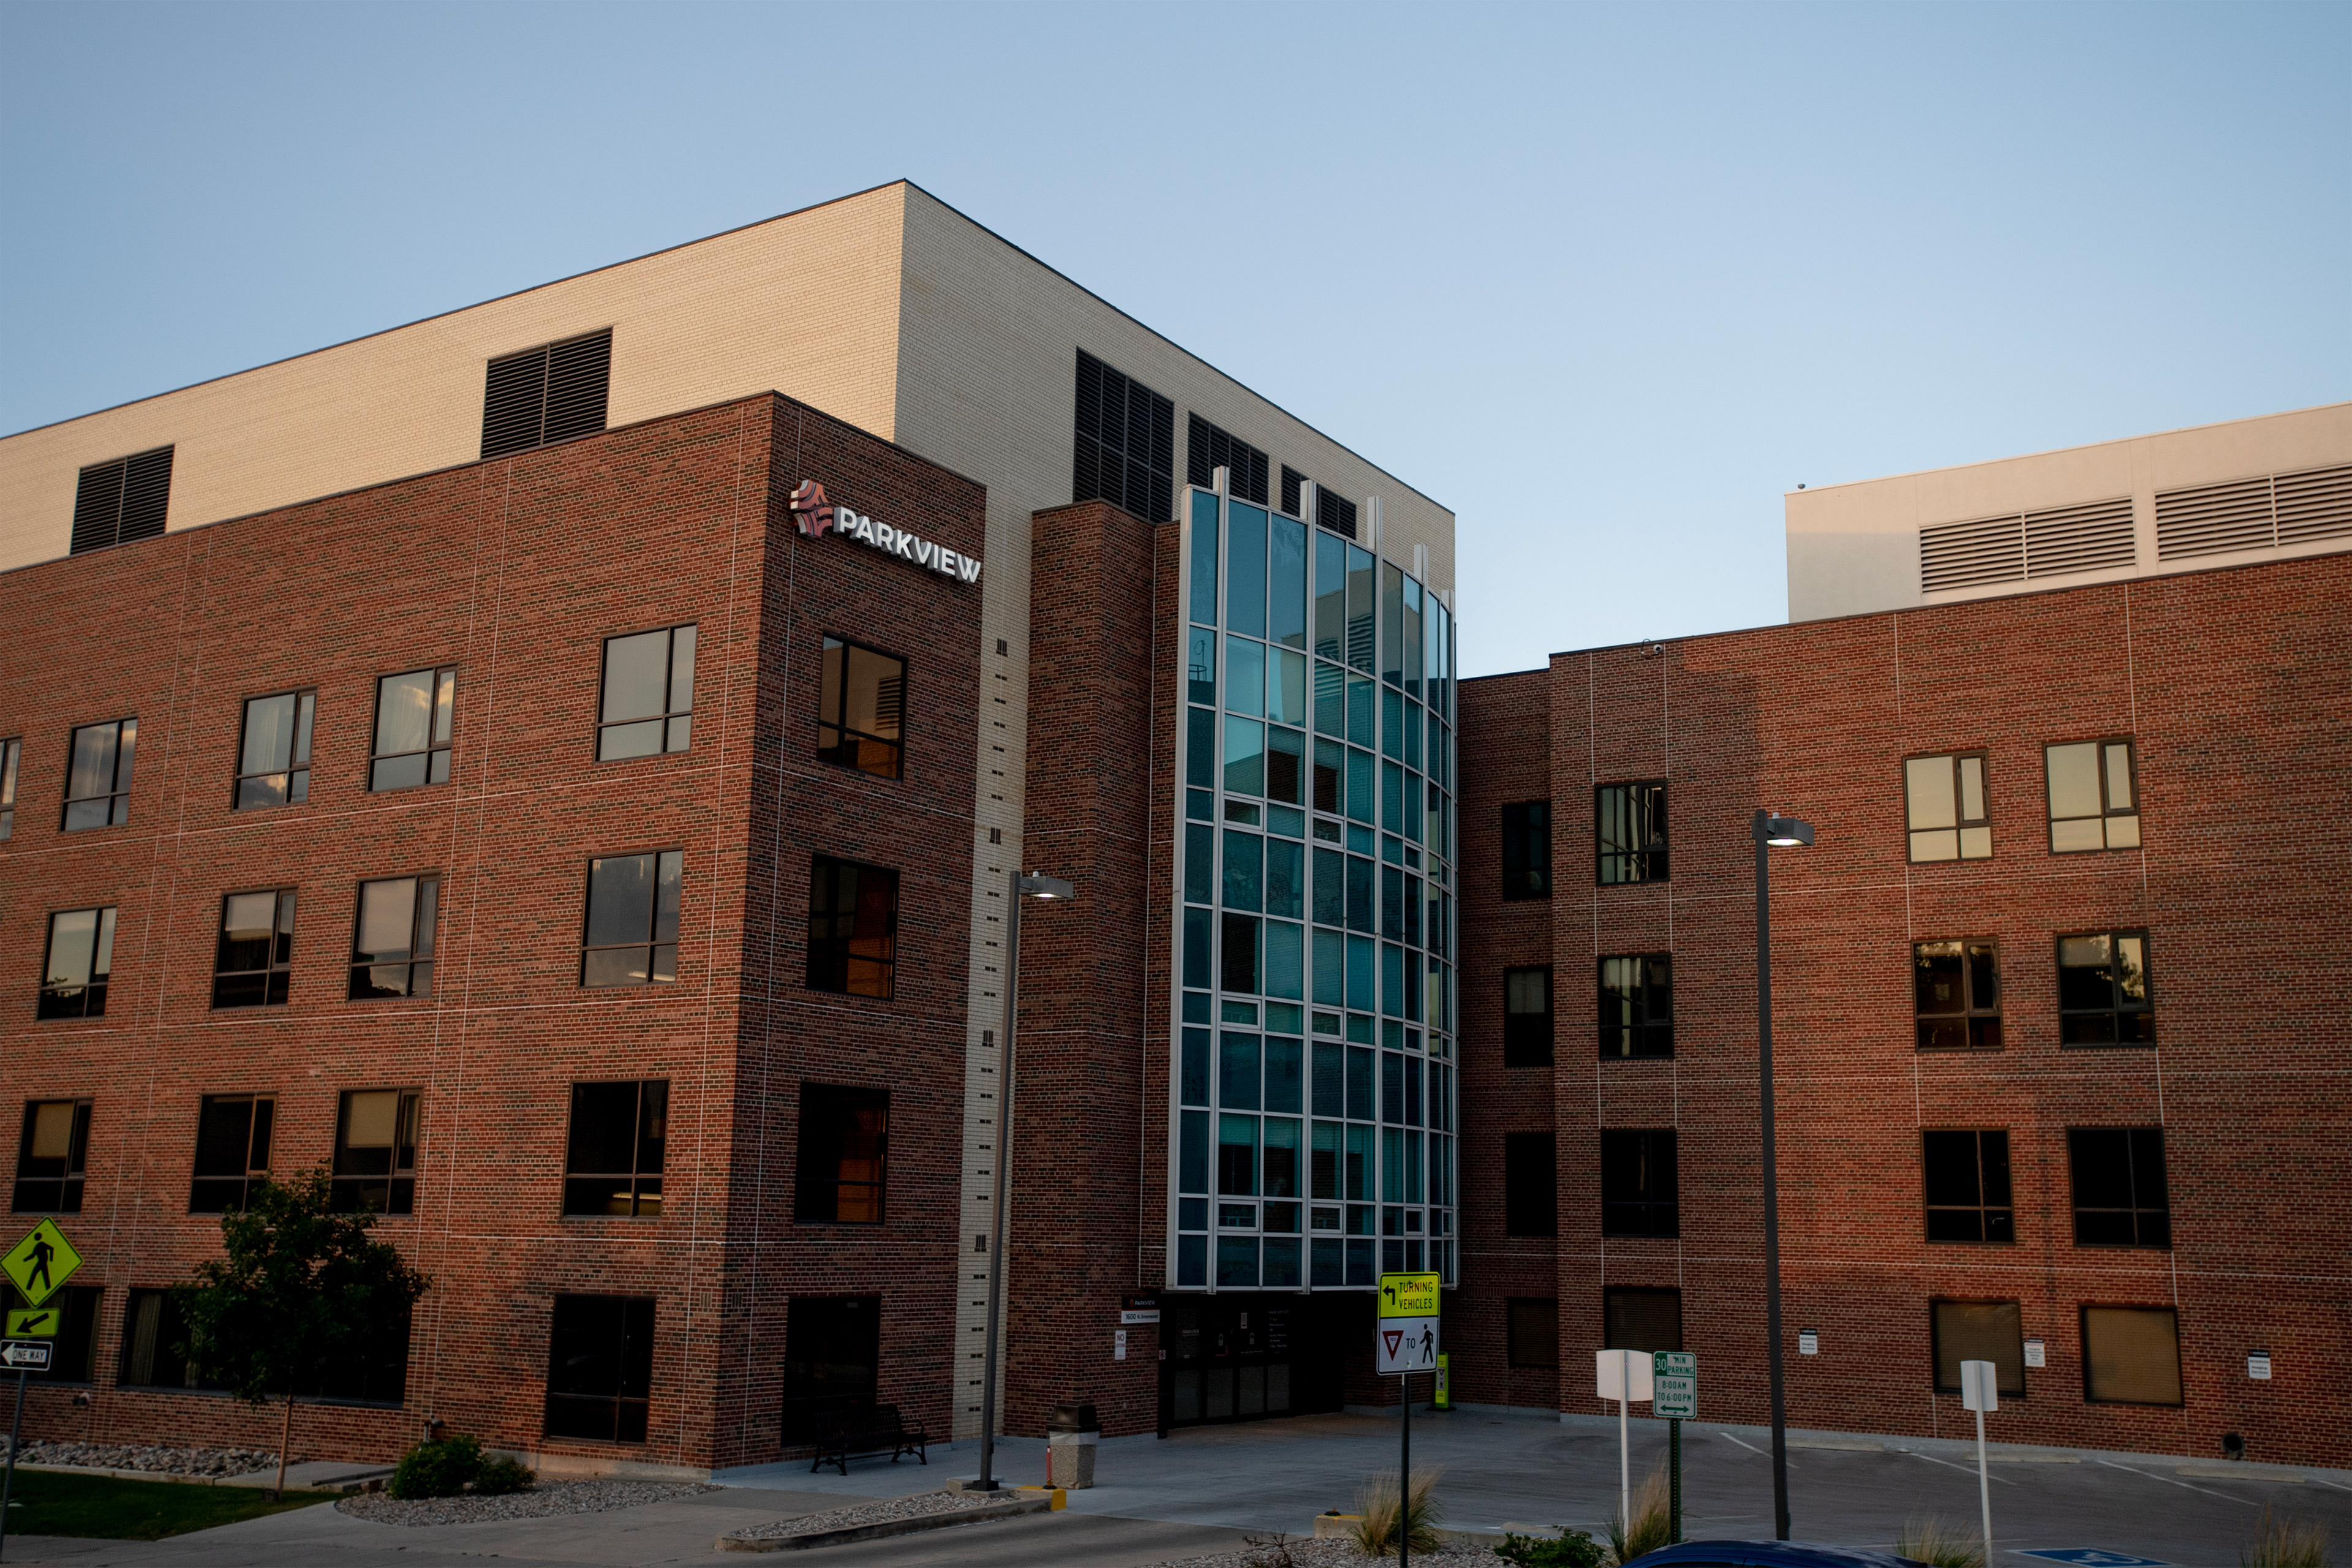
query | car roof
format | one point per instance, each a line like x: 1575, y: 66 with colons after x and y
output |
x: 1775, y: 1555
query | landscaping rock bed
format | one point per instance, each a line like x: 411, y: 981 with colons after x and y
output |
x: 159, y: 1460
x: 882, y: 1512
x: 541, y: 1500
x: 1333, y: 1554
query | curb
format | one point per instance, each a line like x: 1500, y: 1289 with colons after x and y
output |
x: 350, y: 1484
x: 1010, y: 1509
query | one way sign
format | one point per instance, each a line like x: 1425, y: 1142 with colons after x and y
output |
x: 1406, y: 1344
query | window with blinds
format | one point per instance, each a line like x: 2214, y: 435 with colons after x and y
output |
x: 121, y: 500
x: 549, y: 393
x: 1125, y: 449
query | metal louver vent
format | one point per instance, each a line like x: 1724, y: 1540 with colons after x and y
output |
x: 1293, y: 482
x: 1335, y: 513
x: 549, y: 393
x: 2209, y: 520
x: 2313, y: 504
x: 118, y: 501
x: 2079, y: 538
x: 1124, y: 451
x: 1208, y: 449
x: 1970, y: 554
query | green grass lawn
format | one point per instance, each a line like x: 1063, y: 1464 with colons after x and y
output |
x: 46, y: 1503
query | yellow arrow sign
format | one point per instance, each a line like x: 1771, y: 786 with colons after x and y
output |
x: 1409, y: 1295
x: 40, y: 1263
x: 32, y: 1322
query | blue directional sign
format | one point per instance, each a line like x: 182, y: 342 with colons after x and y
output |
x: 2092, y: 1557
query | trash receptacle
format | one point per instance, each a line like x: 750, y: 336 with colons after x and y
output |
x: 1070, y: 1439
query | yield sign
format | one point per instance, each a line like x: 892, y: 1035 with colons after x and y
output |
x: 1393, y: 1338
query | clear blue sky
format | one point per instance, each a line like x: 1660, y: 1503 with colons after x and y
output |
x: 1606, y: 281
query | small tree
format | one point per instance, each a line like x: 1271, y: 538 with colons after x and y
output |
x: 299, y: 1286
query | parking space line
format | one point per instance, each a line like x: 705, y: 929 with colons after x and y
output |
x: 1754, y: 1450
x: 1972, y: 1469
x: 2170, y: 1482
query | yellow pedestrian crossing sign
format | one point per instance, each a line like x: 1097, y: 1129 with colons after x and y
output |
x: 40, y: 1263
x: 32, y: 1322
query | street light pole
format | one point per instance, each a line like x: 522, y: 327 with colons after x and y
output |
x: 1769, y: 831
x: 1030, y: 885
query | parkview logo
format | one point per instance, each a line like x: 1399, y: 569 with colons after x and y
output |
x: 814, y: 514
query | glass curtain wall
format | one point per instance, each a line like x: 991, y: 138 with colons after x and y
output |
x: 1315, y: 1069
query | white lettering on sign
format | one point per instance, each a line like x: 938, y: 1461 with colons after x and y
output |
x: 814, y: 514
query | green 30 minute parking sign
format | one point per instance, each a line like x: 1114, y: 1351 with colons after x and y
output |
x: 1674, y: 1385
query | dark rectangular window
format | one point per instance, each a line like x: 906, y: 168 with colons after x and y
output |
x: 1125, y: 449
x: 121, y: 500
x: 1208, y: 449
x: 853, y: 944
x: 1639, y: 1320
x: 1944, y: 808
x: 78, y: 965
x: 1531, y: 1331
x: 98, y: 778
x: 2120, y: 1197
x: 1978, y: 1330
x: 51, y: 1156
x: 254, y: 953
x: 861, y: 718
x: 2131, y: 1355
x: 599, y: 1367
x: 647, y: 704
x: 631, y: 934
x: 2103, y: 995
x: 73, y: 1349
x: 1965, y: 1177
x: 1956, y: 994
x: 548, y: 394
x: 833, y: 1359
x: 273, y: 756
x: 1637, y: 1005
x: 375, y: 1150
x: 1630, y: 830
x: 1530, y: 1184
x: 12, y: 752
x: 152, y: 1330
x: 1527, y: 1017
x: 372, y: 1370
x: 1637, y: 1183
x: 844, y: 1150
x: 2093, y: 801
x: 392, y: 939
x: 1526, y: 850
x: 232, y: 1151
x: 612, y: 1160
x: 416, y: 713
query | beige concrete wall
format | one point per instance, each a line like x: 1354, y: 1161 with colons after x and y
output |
x: 1854, y: 547
x: 806, y: 304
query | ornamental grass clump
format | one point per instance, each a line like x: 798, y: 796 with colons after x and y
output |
x: 1931, y: 1542
x: 2286, y: 1543
x: 1652, y: 1524
x: 1382, y: 1517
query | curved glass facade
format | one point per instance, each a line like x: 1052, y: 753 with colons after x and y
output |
x: 1313, y: 1103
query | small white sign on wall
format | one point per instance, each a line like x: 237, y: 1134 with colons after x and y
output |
x: 2258, y: 1365
x: 1119, y: 1344
x: 2035, y: 1355
x: 1808, y: 1342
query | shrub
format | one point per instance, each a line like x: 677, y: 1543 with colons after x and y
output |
x: 1573, y: 1549
x: 2286, y: 1543
x: 1382, y: 1517
x: 1652, y: 1524
x: 1928, y: 1540
x: 500, y: 1477
x: 436, y: 1468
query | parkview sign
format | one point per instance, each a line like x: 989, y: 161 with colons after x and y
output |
x: 814, y: 514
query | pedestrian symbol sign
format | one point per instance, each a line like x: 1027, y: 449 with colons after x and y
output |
x: 33, y: 1323
x: 1407, y: 1344
x: 40, y: 1263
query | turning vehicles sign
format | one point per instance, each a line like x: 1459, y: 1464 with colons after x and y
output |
x: 1405, y: 1332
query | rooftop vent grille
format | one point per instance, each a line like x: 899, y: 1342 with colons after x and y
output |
x: 2255, y: 514
x: 549, y: 393
x: 1293, y: 482
x: 1208, y: 449
x: 2079, y: 538
x: 1125, y: 449
x: 1335, y: 513
x: 118, y: 501
x: 1971, y: 554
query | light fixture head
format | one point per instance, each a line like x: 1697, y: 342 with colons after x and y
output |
x: 1036, y: 886
x: 1788, y: 833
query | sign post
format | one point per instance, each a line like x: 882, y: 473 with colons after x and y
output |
x: 1979, y: 1392
x: 37, y: 1265
x: 1404, y: 1334
x: 1673, y: 1393
x: 1625, y: 1377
